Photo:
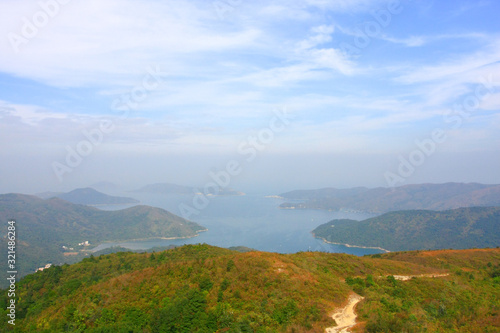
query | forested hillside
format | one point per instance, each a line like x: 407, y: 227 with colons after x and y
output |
x: 200, y: 288
x: 44, y: 226
x: 419, y: 230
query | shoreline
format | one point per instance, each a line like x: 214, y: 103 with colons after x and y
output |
x: 146, y: 239
x: 112, y: 204
x: 339, y: 210
x: 349, y: 245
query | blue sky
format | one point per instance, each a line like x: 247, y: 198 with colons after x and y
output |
x: 361, y: 80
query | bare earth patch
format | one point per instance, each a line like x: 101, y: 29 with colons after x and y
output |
x: 408, y: 277
x: 345, y: 317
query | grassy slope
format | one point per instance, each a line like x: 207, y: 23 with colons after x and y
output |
x: 258, y: 291
x: 465, y: 301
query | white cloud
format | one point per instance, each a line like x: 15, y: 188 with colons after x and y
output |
x: 227, y: 74
x: 28, y: 114
x: 491, y: 102
x: 95, y: 42
x: 345, y: 5
x: 416, y: 41
x: 455, y: 66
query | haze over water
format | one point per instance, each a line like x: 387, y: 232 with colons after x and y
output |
x: 253, y: 221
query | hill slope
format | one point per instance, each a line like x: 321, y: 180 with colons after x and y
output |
x: 419, y: 229
x: 200, y: 288
x: 89, y: 196
x: 44, y: 226
x: 381, y: 200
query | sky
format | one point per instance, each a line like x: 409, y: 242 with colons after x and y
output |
x: 258, y: 95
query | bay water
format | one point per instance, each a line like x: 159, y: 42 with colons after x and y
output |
x: 254, y: 221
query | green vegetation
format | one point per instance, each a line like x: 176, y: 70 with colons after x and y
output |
x: 200, y: 288
x: 45, y: 226
x: 464, y: 301
x: 241, y: 249
x: 462, y: 228
x: 382, y: 200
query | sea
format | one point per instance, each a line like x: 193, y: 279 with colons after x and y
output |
x: 252, y: 220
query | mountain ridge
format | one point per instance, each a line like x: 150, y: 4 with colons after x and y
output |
x: 381, y: 200
x: 92, y: 197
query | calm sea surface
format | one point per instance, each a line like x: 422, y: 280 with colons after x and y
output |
x: 252, y: 220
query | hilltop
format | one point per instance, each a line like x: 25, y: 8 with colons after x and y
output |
x: 461, y: 228
x: 201, y: 288
x: 89, y: 196
x: 55, y: 231
x: 382, y: 200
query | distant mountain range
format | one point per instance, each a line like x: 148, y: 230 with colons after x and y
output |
x: 105, y: 186
x: 89, y: 196
x: 167, y: 188
x: 381, y: 200
x: 45, y: 226
x: 475, y: 227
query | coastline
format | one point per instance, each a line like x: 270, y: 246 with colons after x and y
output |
x: 113, y: 204
x: 339, y: 210
x: 349, y: 245
x: 147, y: 238
x: 273, y: 197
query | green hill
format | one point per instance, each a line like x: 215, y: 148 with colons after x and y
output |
x: 200, y: 288
x: 409, y: 197
x: 44, y: 226
x: 462, y: 228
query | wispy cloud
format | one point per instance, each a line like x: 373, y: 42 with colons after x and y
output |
x: 415, y: 41
x: 222, y: 77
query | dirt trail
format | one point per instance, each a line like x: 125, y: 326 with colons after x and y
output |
x: 409, y: 277
x: 345, y: 317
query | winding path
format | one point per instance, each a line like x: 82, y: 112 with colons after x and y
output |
x: 409, y: 277
x: 345, y: 317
